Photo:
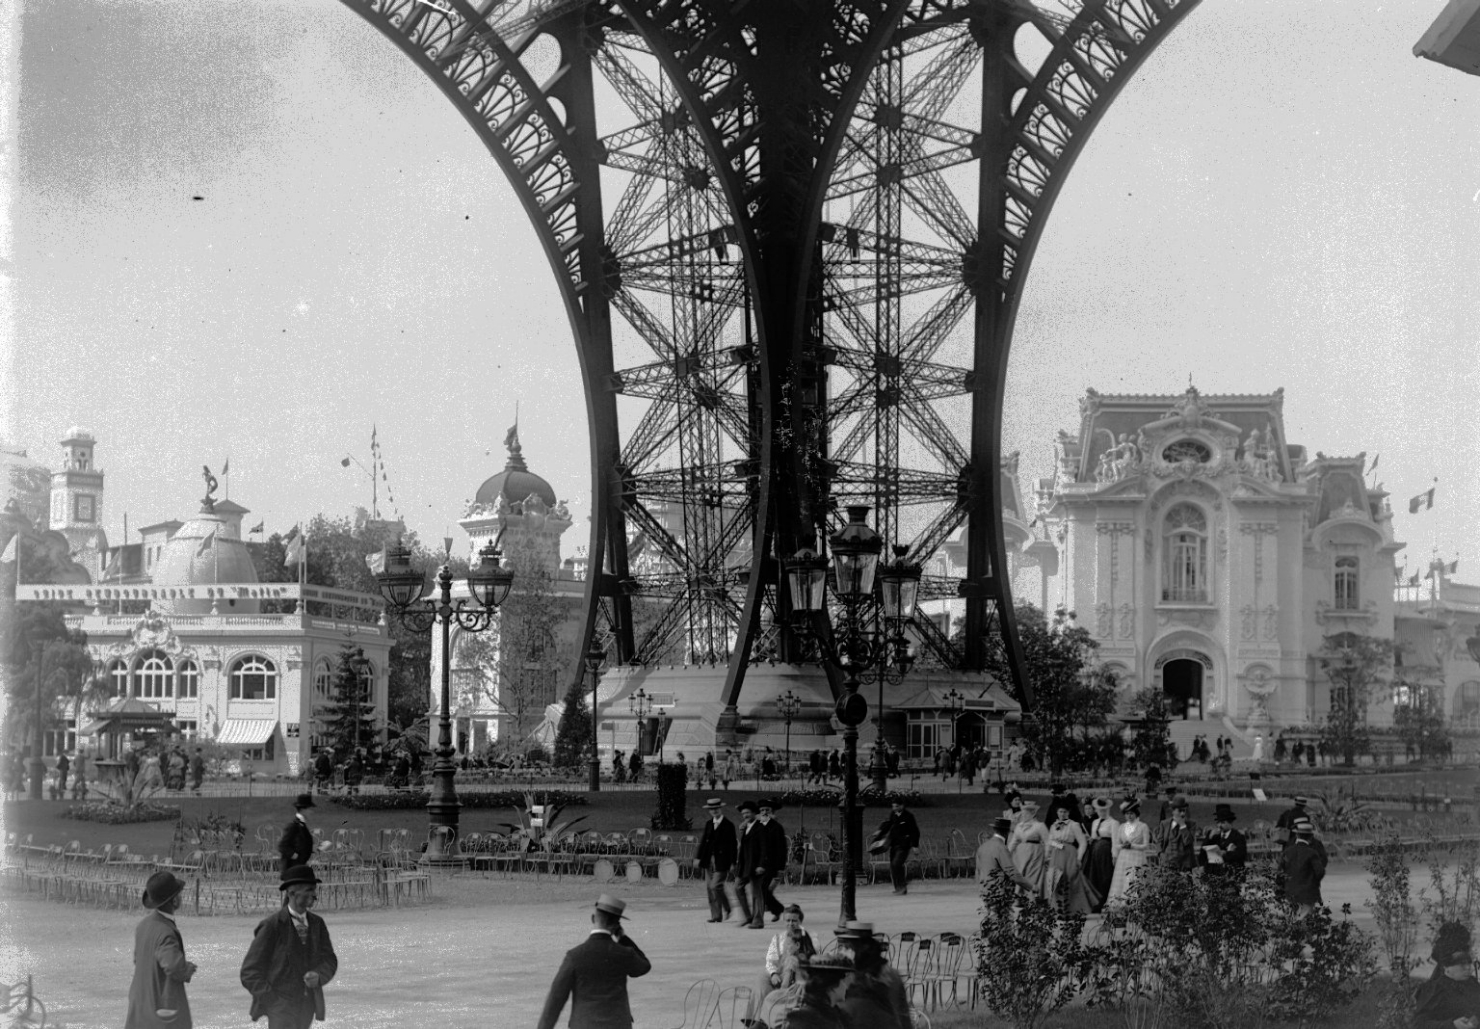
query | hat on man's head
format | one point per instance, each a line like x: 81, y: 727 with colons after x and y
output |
x: 855, y: 931
x: 831, y: 965
x: 1304, y: 825
x: 160, y: 888
x: 611, y: 905
x: 770, y: 803
x: 298, y: 875
x: 1171, y: 790
x: 304, y: 800
x: 1224, y: 813
x: 1002, y: 825
x: 713, y: 804
x: 747, y: 805
x: 1180, y: 804
x: 1301, y: 801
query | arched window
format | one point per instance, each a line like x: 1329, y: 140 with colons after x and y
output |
x: 1184, y: 576
x: 253, y: 678
x: 154, y: 676
x: 189, y: 673
x: 1467, y: 700
x: 367, y: 682
x: 323, y: 680
x: 118, y: 677
x: 1345, y: 583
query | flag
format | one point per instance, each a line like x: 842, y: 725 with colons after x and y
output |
x: 114, y: 563
x: 375, y: 562
x: 1452, y: 568
x: 1424, y: 500
x: 1398, y: 574
x: 10, y: 550
x: 294, y: 548
x: 257, y: 528
x: 1376, y: 458
x: 226, y: 465
x: 1413, y: 581
x: 207, y: 543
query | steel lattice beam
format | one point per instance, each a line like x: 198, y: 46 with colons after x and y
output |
x: 824, y: 212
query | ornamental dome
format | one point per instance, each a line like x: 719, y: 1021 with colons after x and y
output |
x: 203, y: 552
x: 516, y: 482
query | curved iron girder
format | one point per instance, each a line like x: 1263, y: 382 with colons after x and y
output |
x: 554, y: 174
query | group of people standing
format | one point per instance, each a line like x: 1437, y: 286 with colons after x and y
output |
x: 1087, y: 862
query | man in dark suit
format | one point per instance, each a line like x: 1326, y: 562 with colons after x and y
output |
x: 594, y: 975
x: 771, y: 855
x: 903, y: 834
x: 1232, y: 847
x: 291, y: 958
x: 748, y: 848
x: 295, y: 847
x: 993, y: 860
x: 716, y: 855
x: 1304, y: 866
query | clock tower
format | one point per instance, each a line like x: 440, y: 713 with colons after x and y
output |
x: 77, y: 499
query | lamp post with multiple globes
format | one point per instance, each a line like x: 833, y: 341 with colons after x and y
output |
x: 640, y: 704
x: 405, y: 591
x: 789, y: 704
x: 594, y: 657
x: 854, y: 648
x: 956, y: 702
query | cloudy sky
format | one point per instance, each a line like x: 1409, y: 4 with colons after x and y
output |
x: 1284, y: 196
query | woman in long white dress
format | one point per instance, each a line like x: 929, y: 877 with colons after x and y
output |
x: 1063, y: 881
x: 1132, y: 849
x: 1029, y: 837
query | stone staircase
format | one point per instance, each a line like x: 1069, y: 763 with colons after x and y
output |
x: 1183, y: 730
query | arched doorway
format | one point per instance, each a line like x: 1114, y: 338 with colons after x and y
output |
x: 1182, y: 683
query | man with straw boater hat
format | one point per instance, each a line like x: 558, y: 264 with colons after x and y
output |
x: 715, y: 856
x: 593, y: 976
x: 156, y: 998
x: 291, y: 957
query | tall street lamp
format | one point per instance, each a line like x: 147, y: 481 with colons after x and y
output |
x: 38, y: 763
x: 788, y: 704
x: 594, y: 657
x: 403, y: 589
x: 853, y: 649
x: 640, y: 704
x: 899, y: 586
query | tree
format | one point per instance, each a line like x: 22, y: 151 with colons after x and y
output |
x: 1353, y: 663
x: 351, y: 722
x: 1072, y: 693
x: 573, y: 738
x: 1151, y: 743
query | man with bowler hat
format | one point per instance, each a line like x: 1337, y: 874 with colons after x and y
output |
x: 902, y: 834
x: 291, y: 957
x: 748, y: 844
x: 593, y: 976
x: 716, y: 854
x: 296, y: 845
x: 1225, y: 843
x: 1176, y: 839
x: 156, y: 998
x: 770, y: 859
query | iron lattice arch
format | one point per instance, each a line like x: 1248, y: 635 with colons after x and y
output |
x: 791, y: 239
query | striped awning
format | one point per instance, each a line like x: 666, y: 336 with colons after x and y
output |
x: 246, y: 732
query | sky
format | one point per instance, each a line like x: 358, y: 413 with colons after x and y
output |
x: 1282, y: 197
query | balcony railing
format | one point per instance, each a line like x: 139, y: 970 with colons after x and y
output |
x: 1184, y: 595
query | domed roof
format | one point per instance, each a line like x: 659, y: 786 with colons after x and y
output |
x: 516, y: 482
x: 79, y: 433
x: 203, y: 553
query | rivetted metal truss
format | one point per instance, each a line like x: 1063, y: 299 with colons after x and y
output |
x: 791, y: 237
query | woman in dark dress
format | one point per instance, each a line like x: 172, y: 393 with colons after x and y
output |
x: 1099, y: 859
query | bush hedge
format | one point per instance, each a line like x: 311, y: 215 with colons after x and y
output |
x: 408, y: 799
x: 118, y: 814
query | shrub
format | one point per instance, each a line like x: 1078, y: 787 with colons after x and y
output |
x: 118, y: 814
x: 1028, y: 954
x: 411, y: 799
x: 871, y: 797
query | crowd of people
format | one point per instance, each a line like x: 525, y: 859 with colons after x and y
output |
x: 1087, y: 860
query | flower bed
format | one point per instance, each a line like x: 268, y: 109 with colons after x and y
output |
x: 409, y: 799
x: 867, y: 796
x: 117, y: 814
